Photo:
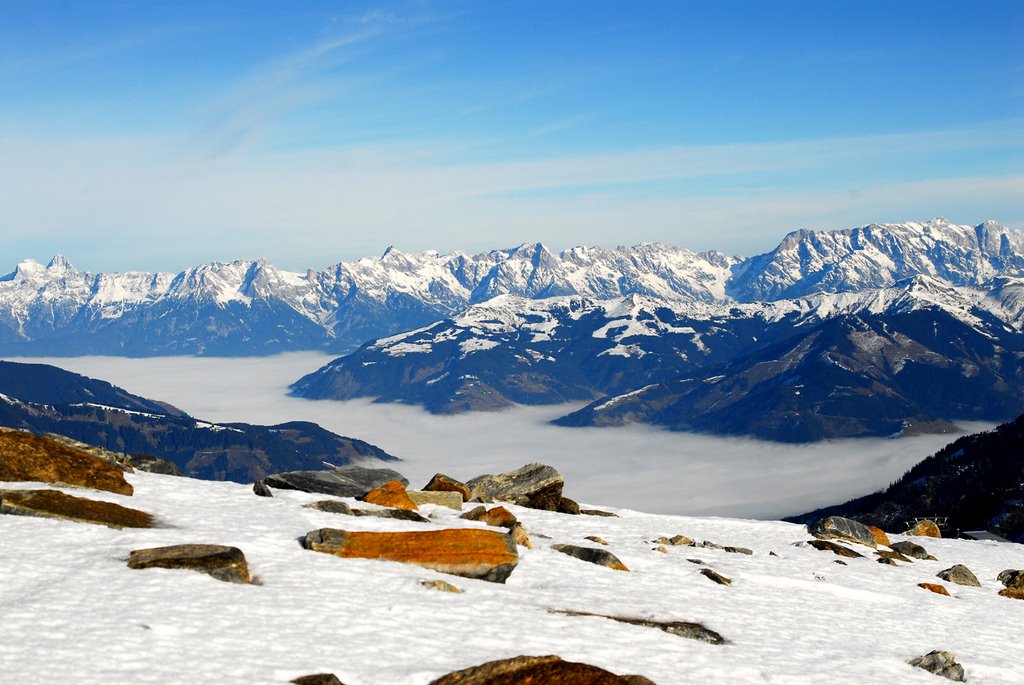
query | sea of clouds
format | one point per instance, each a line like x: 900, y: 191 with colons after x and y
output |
x: 636, y: 467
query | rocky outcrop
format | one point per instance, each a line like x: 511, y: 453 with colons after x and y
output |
x: 443, y: 483
x: 829, y: 546
x: 221, y: 562
x: 537, y: 670
x: 468, y: 552
x: 390, y: 494
x: 495, y: 516
x: 934, y: 587
x: 27, y: 457
x: 536, y: 486
x: 911, y: 549
x: 346, y: 481
x: 959, y: 574
x: 57, y: 505
x: 691, y: 631
x: 926, y: 528
x: 452, y: 500
x: 593, y: 555
x: 942, y: 664
x: 840, y: 528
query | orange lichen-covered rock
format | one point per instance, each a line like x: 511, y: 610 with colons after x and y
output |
x: 880, y: 537
x: 926, y: 529
x: 443, y: 483
x: 468, y: 552
x: 495, y: 516
x: 391, y: 494
x: 934, y: 587
x: 27, y: 457
x: 57, y: 505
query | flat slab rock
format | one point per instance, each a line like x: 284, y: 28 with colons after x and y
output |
x: 346, y: 481
x: 468, y: 552
x: 838, y: 527
x: 537, y: 670
x: 691, y: 631
x: 829, y: 546
x: 536, y: 486
x: 57, y: 505
x: 221, y: 562
x: 594, y: 555
x: 337, y: 507
x: 443, y: 498
x: 26, y: 457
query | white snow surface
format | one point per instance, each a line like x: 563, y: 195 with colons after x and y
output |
x: 73, y: 611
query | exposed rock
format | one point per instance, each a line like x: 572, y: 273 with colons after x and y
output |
x: 469, y: 552
x: 536, y: 670
x: 925, y: 528
x: 346, y: 481
x: 331, y: 506
x: 598, y: 512
x: 838, y: 527
x: 888, y: 561
x: 843, y: 563
x: 440, y: 585
x: 959, y: 574
x: 568, y: 506
x: 675, y: 540
x: 880, y: 536
x: 397, y: 514
x: 261, y: 489
x: 699, y: 562
x: 593, y: 555
x: 715, y: 576
x: 829, y: 546
x: 27, y: 457
x: 153, y: 464
x: 391, y: 494
x: 934, y: 587
x: 221, y: 562
x: 1012, y: 593
x: 662, y: 549
x: 738, y: 550
x: 495, y: 516
x: 595, y: 538
x: 910, y: 549
x: 443, y: 498
x: 535, y: 486
x: 317, y: 679
x: 443, y: 483
x: 1014, y: 581
x: 119, y: 458
x: 520, y: 536
x: 691, y: 631
x: 893, y: 556
x: 57, y: 505
x: 941, y: 663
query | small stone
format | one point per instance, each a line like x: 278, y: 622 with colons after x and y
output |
x: 838, y: 527
x: 397, y: 514
x: 925, y: 528
x: 261, y: 489
x: 699, y: 562
x: 391, y: 494
x: 495, y: 516
x: 691, y: 631
x: 57, y: 505
x: 959, y: 574
x: 840, y: 562
x: 738, y: 550
x: 593, y: 555
x: 663, y: 550
x: 715, y: 576
x: 880, y: 537
x: 829, y: 546
x: 934, y: 587
x: 910, y: 549
x: 888, y: 561
x: 221, y: 562
x: 440, y: 585
x: 893, y: 556
x: 331, y: 506
x: 538, y: 670
x: 443, y: 498
x: 568, y: 506
x: 520, y: 537
x: 675, y: 541
x: 598, y: 512
x: 942, y: 664
x: 443, y: 483
x: 598, y: 540
x: 317, y: 679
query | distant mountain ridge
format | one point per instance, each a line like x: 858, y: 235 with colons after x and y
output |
x: 251, y: 307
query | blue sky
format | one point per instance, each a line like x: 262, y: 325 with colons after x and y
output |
x: 155, y: 135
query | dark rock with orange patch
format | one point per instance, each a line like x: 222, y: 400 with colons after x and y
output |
x: 593, y: 555
x: 1013, y: 580
x: 391, y: 494
x: 495, y: 516
x: 443, y: 483
x: 57, y: 505
x: 934, y: 587
x: 468, y: 552
x: 537, y: 670
x: 221, y: 562
x: 838, y: 527
x: 27, y: 457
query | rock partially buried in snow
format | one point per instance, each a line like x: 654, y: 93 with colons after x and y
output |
x: 598, y: 512
x: 221, y: 562
x: 887, y: 555
x: 593, y: 555
x: 837, y: 527
x: 391, y: 494
x: 537, y: 670
x: 57, y: 505
x: 452, y: 500
x: 941, y: 663
x: 880, y: 536
x: 440, y: 585
x: 715, y: 577
x: 926, y: 529
x: 317, y: 679
x: 495, y: 516
x: 261, y: 489
x: 346, y: 481
x: 1013, y: 581
x: 934, y: 587
x: 443, y: 483
x: 691, y: 631
x: 829, y: 546
x: 959, y: 574
x: 336, y: 507
x: 910, y: 549
x: 468, y: 552
x: 568, y: 506
x: 536, y: 486
x: 27, y: 457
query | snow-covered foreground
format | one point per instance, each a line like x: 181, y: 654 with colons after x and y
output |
x: 72, y: 611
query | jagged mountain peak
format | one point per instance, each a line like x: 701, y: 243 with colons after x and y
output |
x: 59, y: 263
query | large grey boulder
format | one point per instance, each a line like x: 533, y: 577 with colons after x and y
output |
x: 941, y: 663
x: 346, y: 481
x: 840, y: 528
x: 959, y: 574
x: 536, y: 486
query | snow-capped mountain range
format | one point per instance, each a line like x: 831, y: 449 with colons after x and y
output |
x: 251, y: 307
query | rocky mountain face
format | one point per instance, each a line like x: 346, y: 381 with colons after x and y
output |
x: 44, y: 399
x: 976, y: 481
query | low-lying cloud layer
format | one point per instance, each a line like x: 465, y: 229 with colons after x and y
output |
x: 635, y: 467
